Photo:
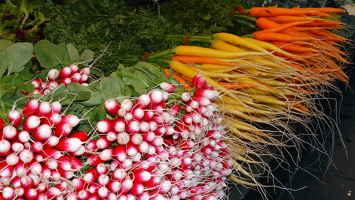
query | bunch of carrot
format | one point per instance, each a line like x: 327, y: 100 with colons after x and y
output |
x: 267, y: 82
x: 308, y: 34
x: 257, y: 89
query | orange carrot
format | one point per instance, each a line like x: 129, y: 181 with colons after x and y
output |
x: 322, y: 9
x: 283, y: 37
x: 201, y: 60
x: 297, y: 33
x: 324, y: 34
x: 293, y: 47
x: 301, y: 108
x: 325, y: 24
x: 285, y: 26
x: 265, y: 23
x: 306, y: 54
x: 182, y: 80
x: 275, y: 11
x: 302, y: 28
x: 287, y: 18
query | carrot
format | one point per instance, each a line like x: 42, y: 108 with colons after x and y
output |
x: 325, y: 24
x: 201, y: 60
x: 211, y: 53
x: 182, y: 80
x: 302, y: 29
x: 237, y: 85
x: 274, y: 11
x: 322, y: 9
x: 284, y: 26
x: 283, y: 37
x: 269, y: 46
x: 287, y: 18
x: 190, y: 72
x: 324, y: 34
x: 268, y: 100
x: 222, y: 45
x: 239, y: 41
x: 265, y: 23
x: 212, y: 67
x: 293, y: 47
x: 300, y: 108
x: 299, y: 34
x: 297, y: 66
x: 307, y: 54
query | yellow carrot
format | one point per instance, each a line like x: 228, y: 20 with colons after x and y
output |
x: 190, y: 72
x: 236, y: 40
x: 269, y: 46
x: 212, y: 53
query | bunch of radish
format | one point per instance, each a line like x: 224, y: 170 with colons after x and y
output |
x: 157, y: 148
x: 66, y: 75
x: 161, y: 145
x: 39, y: 151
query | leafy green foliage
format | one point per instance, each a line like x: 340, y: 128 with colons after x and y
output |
x: 21, y: 20
x: 129, y: 32
x: 204, y: 16
x: 17, y: 63
x: 14, y: 56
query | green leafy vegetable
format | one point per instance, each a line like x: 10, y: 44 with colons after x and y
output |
x: 48, y: 54
x: 129, y: 32
x: 17, y: 56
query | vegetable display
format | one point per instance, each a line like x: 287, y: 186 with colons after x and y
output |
x: 181, y: 122
x: 283, y: 77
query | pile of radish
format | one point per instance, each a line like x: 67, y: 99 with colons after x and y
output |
x: 160, y: 145
x: 65, y: 75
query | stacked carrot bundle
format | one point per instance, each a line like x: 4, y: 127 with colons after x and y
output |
x: 307, y: 33
x: 252, y: 96
x: 267, y: 82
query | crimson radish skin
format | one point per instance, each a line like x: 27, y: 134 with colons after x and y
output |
x: 42, y: 132
x: 69, y: 144
x: 53, y: 74
x: 73, y: 120
x: 167, y: 86
x: 14, y: 117
x: 30, y: 108
x: 143, y: 101
x: 112, y: 106
x: 31, y: 123
x: 65, y: 72
x: 137, y: 189
x: 44, y: 108
x: 103, y: 142
x: 127, y: 105
x: 52, y: 119
x: 199, y: 82
x: 9, y: 132
x: 56, y: 107
x: 63, y: 129
x: 104, y: 126
x: 81, y: 135
x: 156, y: 97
